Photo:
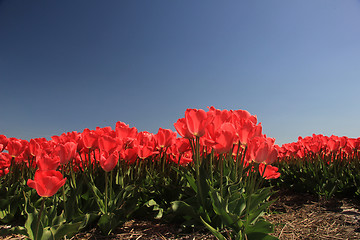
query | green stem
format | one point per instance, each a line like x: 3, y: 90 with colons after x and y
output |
x: 241, y: 163
x: 90, y: 164
x: 106, y: 191
x: 39, y: 218
x: 237, y: 162
x: 250, y: 185
x: 197, y: 171
x: 111, y: 183
x: 221, y: 163
x: 63, y: 193
x: 211, y: 167
x: 162, y: 160
x: 197, y: 158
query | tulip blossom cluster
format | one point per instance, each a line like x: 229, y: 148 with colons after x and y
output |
x: 223, y: 131
x: 321, y: 145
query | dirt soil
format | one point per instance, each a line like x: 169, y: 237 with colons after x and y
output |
x: 304, y: 216
x: 295, y: 216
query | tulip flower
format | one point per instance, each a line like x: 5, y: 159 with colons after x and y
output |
x: 271, y: 172
x: 67, y: 152
x: 262, y: 150
x: 34, y: 147
x: 182, y: 129
x: 130, y: 155
x: 109, y: 144
x: 196, y: 121
x: 89, y: 138
x: 144, y: 151
x: 46, y: 162
x: 15, y: 146
x: 182, y: 145
x: 165, y: 138
x: 333, y: 145
x: 123, y: 131
x: 109, y: 161
x: 3, y: 142
x: 146, y: 138
x: 243, y: 114
x: 224, y: 138
x: 5, y: 161
x: 46, y: 183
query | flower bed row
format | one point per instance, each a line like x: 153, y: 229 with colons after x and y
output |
x: 322, y: 165
x: 217, y: 174
x: 211, y: 175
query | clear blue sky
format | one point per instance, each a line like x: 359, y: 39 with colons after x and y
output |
x: 68, y: 65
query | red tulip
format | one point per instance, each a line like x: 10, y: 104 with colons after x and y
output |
x: 3, y: 142
x: 34, y: 147
x: 196, y: 121
x: 263, y: 150
x: 219, y: 116
x: 105, y: 131
x: 109, y: 144
x: 66, y: 137
x: 243, y: 114
x: 333, y: 145
x: 244, y: 130
x: 67, y: 152
x: 182, y: 158
x: 130, y: 155
x: 5, y: 162
x: 165, y: 138
x: 15, y: 146
x: 46, y: 162
x: 343, y: 141
x: 182, y: 145
x: 144, y: 151
x: 182, y: 129
x: 46, y: 183
x: 89, y: 138
x: 123, y: 131
x: 109, y: 161
x: 271, y: 172
x: 145, y: 138
x: 224, y: 138
x: 354, y: 143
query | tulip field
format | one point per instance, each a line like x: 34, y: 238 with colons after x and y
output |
x: 217, y: 171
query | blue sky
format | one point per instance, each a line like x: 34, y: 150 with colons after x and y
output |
x: 68, y: 65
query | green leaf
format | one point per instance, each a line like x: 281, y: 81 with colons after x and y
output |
x: 13, y: 230
x: 87, y: 219
x: 220, y: 207
x: 99, y: 197
x: 204, y: 183
x: 260, y: 226
x: 57, y: 220
x: 255, y: 214
x: 183, y: 208
x: 29, y: 225
x: 47, y: 234
x: 191, y: 181
x: 6, y: 217
x: 216, y: 233
x: 109, y: 222
x: 156, y: 207
x: 240, y: 235
x: 67, y: 229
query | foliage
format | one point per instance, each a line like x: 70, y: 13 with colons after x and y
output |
x: 325, y: 166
